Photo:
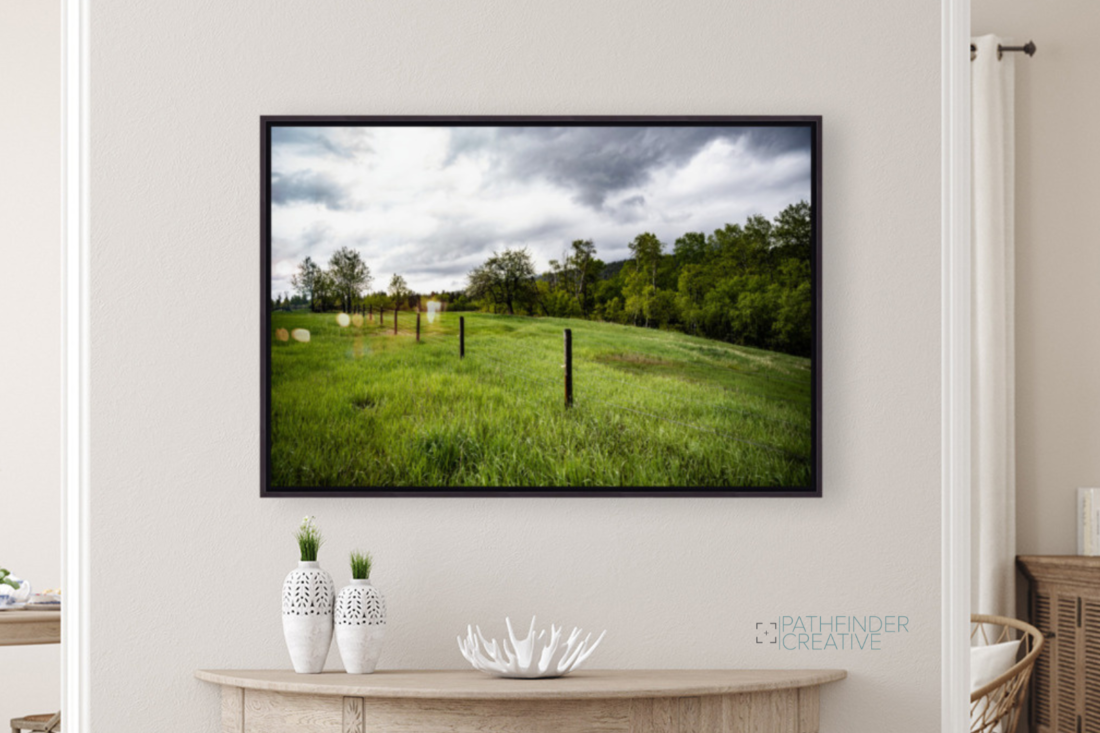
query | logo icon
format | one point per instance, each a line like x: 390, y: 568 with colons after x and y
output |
x: 770, y: 637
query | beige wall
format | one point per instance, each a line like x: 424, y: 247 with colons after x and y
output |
x: 30, y: 354
x: 1057, y: 262
x: 188, y: 562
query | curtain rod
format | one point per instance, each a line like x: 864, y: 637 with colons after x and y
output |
x: 1028, y: 48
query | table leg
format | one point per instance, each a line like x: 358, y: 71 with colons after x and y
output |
x: 232, y: 709
x: 353, y: 715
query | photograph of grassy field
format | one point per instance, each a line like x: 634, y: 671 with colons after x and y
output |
x: 676, y: 262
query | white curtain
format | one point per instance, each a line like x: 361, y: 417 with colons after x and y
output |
x: 993, y: 522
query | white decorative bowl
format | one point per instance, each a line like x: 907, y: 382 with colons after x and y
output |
x: 539, y: 655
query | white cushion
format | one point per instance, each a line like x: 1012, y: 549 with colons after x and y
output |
x: 987, y: 663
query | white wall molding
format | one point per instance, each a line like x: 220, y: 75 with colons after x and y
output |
x: 75, y: 568
x: 955, y: 151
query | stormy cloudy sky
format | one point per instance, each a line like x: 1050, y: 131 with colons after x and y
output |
x: 431, y: 203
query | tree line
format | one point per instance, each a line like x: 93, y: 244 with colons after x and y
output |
x: 745, y: 283
x: 344, y: 285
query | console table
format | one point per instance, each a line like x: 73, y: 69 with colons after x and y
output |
x: 619, y: 701
x: 30, y: 627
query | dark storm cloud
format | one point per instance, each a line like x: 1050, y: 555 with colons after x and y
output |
x: 307, y: 141
x: 629, y: 210
x: 596, y: 162
x: 457, y: 268
x: 464, y: 238
x: 308, y: 187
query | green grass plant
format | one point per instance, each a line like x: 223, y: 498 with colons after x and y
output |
x: 309, y: 539
x: 360, y: 565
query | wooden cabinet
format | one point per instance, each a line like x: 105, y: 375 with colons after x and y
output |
x: 1064, y: 602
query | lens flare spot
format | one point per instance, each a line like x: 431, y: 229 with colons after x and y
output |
x: 357, y: 320
x: 282, y: 334
x: 343, y: 320
x: 359, y: 348
x: 434, y: 308
x: 300, y: 334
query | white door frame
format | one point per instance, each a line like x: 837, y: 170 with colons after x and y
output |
x: 955, y: 381
x: 955, y: 386
x: 76, y: 679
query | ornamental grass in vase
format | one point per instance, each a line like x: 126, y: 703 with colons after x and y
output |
x: 360, y: 618
x: 307, y: 604
x: 13, y: 591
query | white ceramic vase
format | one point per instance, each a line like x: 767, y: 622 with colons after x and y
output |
x: 360, y: 626
x: 307, y: 616
x: 15, y: 596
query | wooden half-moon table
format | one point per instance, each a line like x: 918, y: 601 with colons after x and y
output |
x: 634, y: 701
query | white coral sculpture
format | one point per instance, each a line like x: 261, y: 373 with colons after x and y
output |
x: 527, y: 658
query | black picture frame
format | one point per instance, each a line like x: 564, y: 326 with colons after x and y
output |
x: 268, y: 122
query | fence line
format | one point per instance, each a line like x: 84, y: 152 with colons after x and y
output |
x: 549, y: 355
x: 748, y: 441
x: 502, y: 366
x: 536, y: 350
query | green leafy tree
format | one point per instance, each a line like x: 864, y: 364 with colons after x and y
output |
x: 613, y: 311
x: 690, y: 249
x: 350, y: 275
x: 792, y: 235
x: 325, y: 292
x: 574, y: 276
x: 399, y: 290
x: 692, y: 287
x: 642, y: 283
x: 506, y: 279
x: 661, y: 308
x: 647, y: 250
x: 584, y: 270
x: 304, y: 281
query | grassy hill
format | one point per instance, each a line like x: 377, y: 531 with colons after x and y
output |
x: 357, y: 406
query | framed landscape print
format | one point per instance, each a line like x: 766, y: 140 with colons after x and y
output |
x: 513, y: 306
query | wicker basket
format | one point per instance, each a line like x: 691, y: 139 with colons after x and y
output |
x: 996, y: 707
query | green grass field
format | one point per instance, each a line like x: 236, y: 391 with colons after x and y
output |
x: 360, y: 407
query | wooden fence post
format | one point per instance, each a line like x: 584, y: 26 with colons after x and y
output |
x: 568, y: 367
x: 370, y: 312
x: 394, y: 321
x: 461, y: 337
x: 418, y: 327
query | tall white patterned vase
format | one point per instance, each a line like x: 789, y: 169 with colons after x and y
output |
x: 360, y: 626
x: 307, y: 616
